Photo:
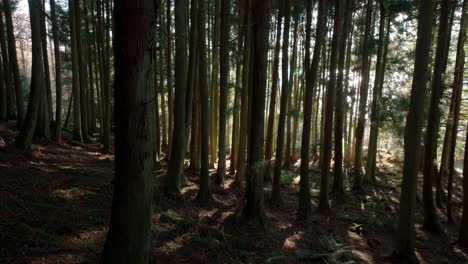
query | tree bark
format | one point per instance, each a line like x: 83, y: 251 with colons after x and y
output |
x: 458, y: 89
x: 177, y: 154
x: 254, y: 209
x: 413, y: 131
x: 128, y: 238
x: 223, y: 88
x: 285, y: 93
x: 204, y: 190
x: 363, y: 91
x: 58, y: 75
x: 7, y: 8
x: 311, y: 84
x: 24, y: 139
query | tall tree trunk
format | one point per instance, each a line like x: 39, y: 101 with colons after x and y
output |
x: 292, y: 102
x: 311, y: 84
x: 176, y: 161
x: 432, y: 131
x: 24, y: 139
x: 458, y: 90
x: 377, y: 94
x: 459, y: 67
x: 254, y: 208
x: 58, y: 75
x: 11, y: 107
x: 128, y: 239
x: 82, y: 72
x: 223, y: 88
x: 363, y: 92
x: 204, y: 190
x: 413, y: 131
x: 90, y: 64
x: 338, y: 181
x: 77, y: 132
x: 7, y: 8
x: 214, y: 84
x: 170, y: 102
x: 237, y: 101
x: 274, y: 89
x: 45, y: 54
x: 192, y: 78
x: 275, y: 193
x: 244, y: 115
x: 324, y: 204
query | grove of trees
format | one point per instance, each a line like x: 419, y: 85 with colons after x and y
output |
x: 242, y: 93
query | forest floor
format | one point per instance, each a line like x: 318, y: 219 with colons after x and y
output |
x: 55, y: 206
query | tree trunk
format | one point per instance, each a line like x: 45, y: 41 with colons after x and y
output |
x: 77, y: 132
x: 204, y: 190
x: 223, y: 88
x: 274, y: 89
x: 413, y: 130
x: 24, y: 139
x: 128, y: 239
x: 242, y: 156
x: 11, y: 107
x: 7, y: 8
x: 311, y: 83
x: 170, y: 102
x: 459, y: 68
x: 82, y: 73
x: 275, y: 193
x: 377, y: 94
x: 58, y: 75
x: 214, y: 84
x: 45, y: 54
x: 254, y: 208
x: 458, y: 89
x: 338, y: 181
x: 432, y: 131
x: 324, y: 204
x: 176, y: 161
x: 363, y: 92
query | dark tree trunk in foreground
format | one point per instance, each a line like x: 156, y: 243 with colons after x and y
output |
x: 177, y: 154
x: 58, y: 75
x: 413, y: 131
x: 458, y: 89
x: 377, y: 93
x: 128, y: 239
x: 338, y: 181
x: 460, y: 64
x: 363, y: 93
x: 463, y: 235
x: 244, y: 113
x: 45, y: 54
x: 274, y: 89
x: 432, y: 131
x: 7, y: 8
x: 24, y: 139
x: 324, y: 204
x: 223, y: 88
x: 12, y: 108
x: 275, y: 193
x: 311, y: 84
x: 204, y: 191
x: 77, y: 135
x: 254, y: 209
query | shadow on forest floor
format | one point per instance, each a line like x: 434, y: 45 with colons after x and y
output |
x: 55, y: 206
